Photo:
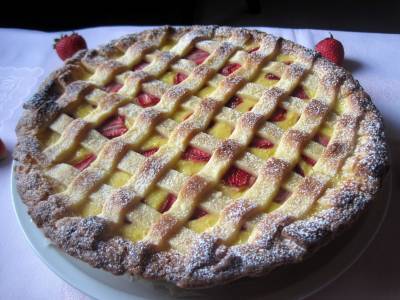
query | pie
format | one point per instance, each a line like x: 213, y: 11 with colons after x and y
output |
x: 198, y: 155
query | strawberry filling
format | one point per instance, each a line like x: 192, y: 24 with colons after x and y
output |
x: 140, y: 66
x: 234, y: 102
x: 299, y: 92
x: 261, y: 143
x: 278, y: 115
x: 83, y: 164
x: 322, y: 139
x: 195, y: 154
x: 179, y: 77
x: 287, y: 62
x: 113, y: 127
x: 238, y: 178
x: 282, y: 196
x: 253, y: 50
x: 271, y: 76
x: 198, y: 56
x: 146, y: 100
x: 308, y: 160
x: 113, y: 87
x: 149, y: 152
x: 198, y: 213
x: 169, y: 200
x: 229, y: 69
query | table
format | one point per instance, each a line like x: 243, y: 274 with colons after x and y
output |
x: 27, y: 57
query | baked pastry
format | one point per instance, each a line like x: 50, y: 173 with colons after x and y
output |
x: 198, y: 155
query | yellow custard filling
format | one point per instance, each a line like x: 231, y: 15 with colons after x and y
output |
x: 220, y: 130
x: 201, y: 224
x: 168, y: 77
x: 83, y: 110
x: 118, y: 179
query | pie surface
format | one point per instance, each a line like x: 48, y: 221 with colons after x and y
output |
x: 198, y: 155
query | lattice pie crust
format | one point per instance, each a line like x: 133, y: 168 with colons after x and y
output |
x: 198, y: 155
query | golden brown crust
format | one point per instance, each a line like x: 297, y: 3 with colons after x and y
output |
x: 358, y: 147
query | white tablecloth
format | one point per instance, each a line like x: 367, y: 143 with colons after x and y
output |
x: 27, y: 57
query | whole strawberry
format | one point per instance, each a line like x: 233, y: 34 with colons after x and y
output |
x: 3, y: 151
x: 67, y: 45
x: 331, y: 49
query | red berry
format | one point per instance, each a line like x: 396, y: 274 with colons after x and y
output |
x: 179, y: 77
x: 253, y: 50
x: 83, y: 164
x: 308, y: 160
x: 198, y: 56
x: 234, y: 102
x: 195, y: 154
x: 282, y: 196
x: 261, y: 143
x: 149, y: 152
x: 278, y: 115
x: 299, y: 92
x: 198, y: 213
x: 331, y: 49
x: 169, y: 200
x: 140, y: 66
x: 67, y: 45
x: 146, y: 100
x: 3, y: 150
x: 322, y: 139
x: 238, y: 178
x: 271, y: 76
x: 299, y: 170
x: 113, y: 87
x: 113, y: 127
x: 229, y: 69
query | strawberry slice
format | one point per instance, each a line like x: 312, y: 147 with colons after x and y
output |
x: 299, y: 92
x: 169, y: 200
x: 238, y: 178
x: 308, y: 160
x: 140, y: 66
x: 253, y: 50
x: 195, y: 154
x: 146, y: 100
x: 271, y: 76
x: 84, y: 163
x: 322, y: 139
x: 299, y: 170
x: 234, y: 101
x: 198, y: 56
x: 113, y: 127
x: 113, y: 87
x: 198, y: 213
x: 229, y: 69
x: 278, y: 115
x: 179, y: 77
x: 149, y: 152
x: 3, y: 150
x: 282, y: 196
x: 261, y: 143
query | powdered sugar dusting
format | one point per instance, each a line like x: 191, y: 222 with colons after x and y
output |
x: 281, y: 240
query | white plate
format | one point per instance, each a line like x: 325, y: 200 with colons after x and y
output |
x: 292, y: 282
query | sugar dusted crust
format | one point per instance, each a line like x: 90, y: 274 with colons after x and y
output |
x: 282, y: 240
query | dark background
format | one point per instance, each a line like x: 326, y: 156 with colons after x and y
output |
x: 373, y: 16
